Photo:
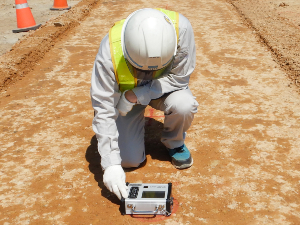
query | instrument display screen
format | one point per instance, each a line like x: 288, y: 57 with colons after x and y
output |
x: 153, y: 194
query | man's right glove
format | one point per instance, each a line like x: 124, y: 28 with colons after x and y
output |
x: 114, y: 179
x: 124, y: 106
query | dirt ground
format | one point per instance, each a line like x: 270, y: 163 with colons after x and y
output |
x: 244, y: 139
x: 277, y: 23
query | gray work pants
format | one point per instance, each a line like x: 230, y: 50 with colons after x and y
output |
x: 179, y: 108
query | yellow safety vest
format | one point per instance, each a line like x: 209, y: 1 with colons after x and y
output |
x: 124, y: 72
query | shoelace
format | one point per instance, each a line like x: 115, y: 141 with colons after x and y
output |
x: 178, y: 149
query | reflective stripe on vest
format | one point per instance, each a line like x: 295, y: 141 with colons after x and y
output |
x: 124, y: 72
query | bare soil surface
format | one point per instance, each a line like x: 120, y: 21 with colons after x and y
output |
x: 277, y: 23
x: 244, y: 139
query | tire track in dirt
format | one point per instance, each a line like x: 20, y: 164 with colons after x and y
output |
x: 276, y: 29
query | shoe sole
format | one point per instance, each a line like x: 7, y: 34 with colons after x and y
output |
x: 183, y: 166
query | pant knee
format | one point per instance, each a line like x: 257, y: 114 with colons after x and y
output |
x: 129, y: 163
x: 182, y: 104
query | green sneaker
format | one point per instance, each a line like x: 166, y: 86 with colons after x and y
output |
x: 181, y: 157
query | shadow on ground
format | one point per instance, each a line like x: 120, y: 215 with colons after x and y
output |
x: 153, y: 147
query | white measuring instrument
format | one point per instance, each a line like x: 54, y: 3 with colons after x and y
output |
x: 148, y: 199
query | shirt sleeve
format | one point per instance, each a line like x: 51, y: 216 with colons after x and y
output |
x: 105, y: 95
x: 177, y: 77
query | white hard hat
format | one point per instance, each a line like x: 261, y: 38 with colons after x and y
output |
x: 149, y: 39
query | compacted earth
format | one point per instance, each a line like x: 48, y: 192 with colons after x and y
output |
x: 244, y: 138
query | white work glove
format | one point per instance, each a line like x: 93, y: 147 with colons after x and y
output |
x: 114, y: 179
x: 124, y: 106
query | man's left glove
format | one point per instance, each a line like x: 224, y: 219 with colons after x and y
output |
x: 124, y: 106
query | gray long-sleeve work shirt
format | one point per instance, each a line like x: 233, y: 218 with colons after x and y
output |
x: 105, y: 92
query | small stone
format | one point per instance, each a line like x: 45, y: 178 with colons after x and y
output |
x: 282, y: 4
x: 58, y: 24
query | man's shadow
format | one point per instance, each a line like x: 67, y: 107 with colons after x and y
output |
x: 153, y: 147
